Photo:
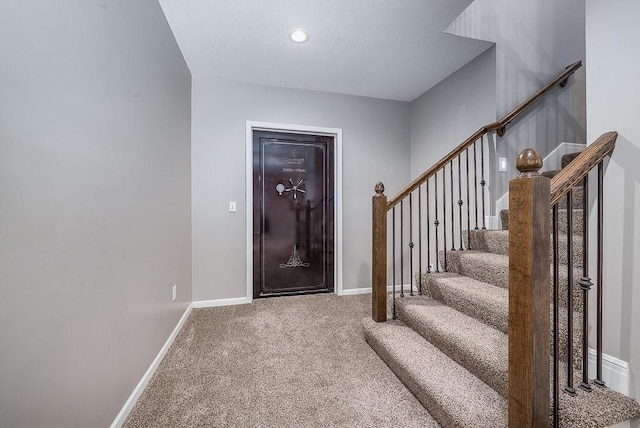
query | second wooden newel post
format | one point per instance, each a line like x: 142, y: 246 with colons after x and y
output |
x: 529, y: 294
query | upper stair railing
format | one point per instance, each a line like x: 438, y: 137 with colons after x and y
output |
x: 457, y: 179
x: 533, y: 242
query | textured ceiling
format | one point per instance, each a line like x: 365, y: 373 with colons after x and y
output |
x: 391, y: 49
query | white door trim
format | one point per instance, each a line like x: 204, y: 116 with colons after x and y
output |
x: 294, y: 129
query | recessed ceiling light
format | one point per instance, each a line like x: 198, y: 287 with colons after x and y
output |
x: 298, y: 36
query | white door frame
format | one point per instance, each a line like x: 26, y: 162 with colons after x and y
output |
x: 337, y: 206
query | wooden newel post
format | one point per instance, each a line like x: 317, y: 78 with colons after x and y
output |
x: 529, y: 294
x: 379, y: 256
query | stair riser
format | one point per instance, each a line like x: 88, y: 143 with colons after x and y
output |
x: 497, y: 242
x: 421, y: 368
x: 490, y: 311
x: 576, y: 221
x: 492, y: 371
x: 576, y: 199
x: 495, y: 312
x: 498, y: 275
x: 429, y: 401
x: 568, y: 158
x: 576, y: 196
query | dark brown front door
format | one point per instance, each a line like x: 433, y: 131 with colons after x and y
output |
x: 292, y: 213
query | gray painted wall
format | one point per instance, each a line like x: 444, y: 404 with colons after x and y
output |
x: 376, y: 147
x: 535, y: 40
x: 441, y: 119
x: 613, y: 89
x: 95, y: 211
x: 451, y: 111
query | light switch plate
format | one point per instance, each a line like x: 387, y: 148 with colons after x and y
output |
x: 502, y: 164
x: 232, y: 206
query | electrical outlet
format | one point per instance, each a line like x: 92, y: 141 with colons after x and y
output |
x: 431, y: 267
x: 174, y: 293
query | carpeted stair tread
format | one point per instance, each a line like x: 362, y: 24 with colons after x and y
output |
x: 563, y: 337
x: 568, y: 158
x: 577, y: 200
x: 562, y: 220
x: 451, y: 394
x: 485, y: 267
x: 497, y: 242
x: 455, y: 397
x: 504, y: 219
x: 477, y: 299
x: 474, y: 345
x: 494, y: 269
x: 602, y: 407
x: 489, y: 241
x: 489, y: 304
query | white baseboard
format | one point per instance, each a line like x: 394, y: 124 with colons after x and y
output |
x: 137, y: 391
x: 615, y: 372
x: 624, y: 424
x: 221, y: 302
x: 367, y: 290
x: 354, y: 291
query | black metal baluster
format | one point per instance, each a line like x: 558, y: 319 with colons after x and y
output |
x: 569, y: 387
x: 460, y: 201
x: 585, y: 285
x: 393, y: 255
x: 420, y: 238
x: 453, y: 222
x: 475, y: 181
x: 428, y: 232
x: 556, y: 323
x: 599, y: 380
x: 436, y: 223
x: 444, y: 217
x: 482, y: 182
x: 402, y: 248
x: 468, y: 203
x: 411, y: 244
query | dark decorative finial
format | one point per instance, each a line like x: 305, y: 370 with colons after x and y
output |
x: 529, y: 162
x: 379, y: 188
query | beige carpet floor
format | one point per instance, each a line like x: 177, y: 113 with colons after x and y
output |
x: 281, y: 362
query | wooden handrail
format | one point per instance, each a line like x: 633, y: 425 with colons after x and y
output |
x: 575, y: 172
x: 561, y: 80
x: 498, y: 126
x: 435, y: 168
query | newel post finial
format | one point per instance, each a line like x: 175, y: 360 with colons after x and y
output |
x: 379, y: 188
x: 529, y: 162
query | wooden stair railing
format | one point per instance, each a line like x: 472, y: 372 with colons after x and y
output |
x: 531, y: 196
x: 466, y: 151
x: 499, y: 126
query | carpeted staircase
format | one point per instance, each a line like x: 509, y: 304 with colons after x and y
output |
x: 449, y: 345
